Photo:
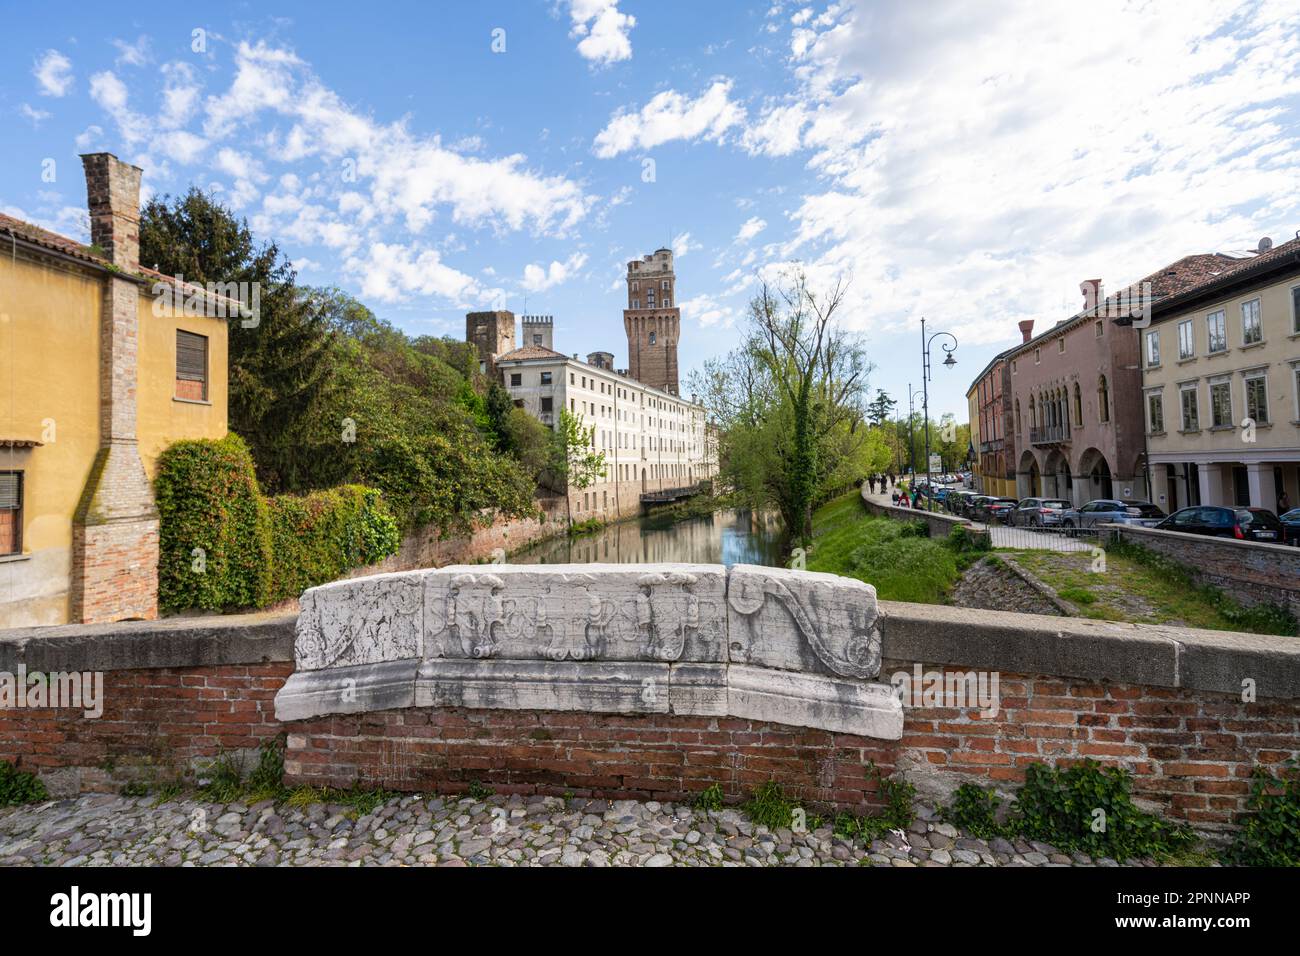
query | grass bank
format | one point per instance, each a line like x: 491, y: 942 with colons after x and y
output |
x: 896, y: 557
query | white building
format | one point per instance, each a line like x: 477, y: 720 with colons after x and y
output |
x: 652, y: 440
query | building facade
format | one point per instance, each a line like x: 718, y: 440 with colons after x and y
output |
x: 97, y: 378
x: 652, y: 439
x: 1221, y: 385
x: 1075, y: 416
x: 991, y: 434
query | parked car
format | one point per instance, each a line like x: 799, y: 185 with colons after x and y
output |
x: 1245, y: 524
x: 973, y: 505
x: 957, y: 501
x: 1111, y: 511
x: 1039, y: 513
x: 1291, y: 522
x: 990, y: 509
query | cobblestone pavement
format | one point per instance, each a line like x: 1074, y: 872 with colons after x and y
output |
x: 105, y: 830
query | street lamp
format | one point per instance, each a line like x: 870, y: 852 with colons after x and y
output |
x: 948, y: 362
x: 911, y: 413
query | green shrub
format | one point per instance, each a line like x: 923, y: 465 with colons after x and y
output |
x: 214, y: 549
x: 222, y: 545
x: 769, y: 807
x: 898, y: 813
x: 901, y: 565
x: 710, y: 798
x: 1060, y: 807
x: 1270, y: 836
x: 19, y: 786
x: 319, y: 537
x: 975, y: 810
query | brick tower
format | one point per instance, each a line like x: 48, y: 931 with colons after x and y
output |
x: 652, y: 321
x: 491, y: 334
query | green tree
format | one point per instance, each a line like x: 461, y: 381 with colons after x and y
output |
x: 788, y: 403
x: 880, y: 408
x: 574, y: 462
x: 280, y: 367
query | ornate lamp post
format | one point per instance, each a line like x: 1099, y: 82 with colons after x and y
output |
x: 948, y: 362
x: 911, y: 413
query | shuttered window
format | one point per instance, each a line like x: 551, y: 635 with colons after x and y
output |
x: 11, y: 512
x: 191, y: 366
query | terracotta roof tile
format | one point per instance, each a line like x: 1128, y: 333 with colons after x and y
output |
x: 530, y: 352
x: 49, y: 240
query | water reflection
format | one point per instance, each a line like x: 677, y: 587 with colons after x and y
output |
x: 724, y: 537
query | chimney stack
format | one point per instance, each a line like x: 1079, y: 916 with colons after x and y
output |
x: 113, y: 195
x: 1026, y: 330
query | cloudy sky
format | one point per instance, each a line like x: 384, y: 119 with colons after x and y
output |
x: 969, y: 163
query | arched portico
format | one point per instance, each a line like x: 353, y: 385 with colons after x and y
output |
x: 1029, y: 482
x: 1057, y: 482
x: 1093, y: 477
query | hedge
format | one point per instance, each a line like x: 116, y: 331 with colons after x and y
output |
x: 321, y: 536
x: 223, y: 545
x: 214, y: 546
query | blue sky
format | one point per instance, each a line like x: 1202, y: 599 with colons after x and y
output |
x: 967, y: 165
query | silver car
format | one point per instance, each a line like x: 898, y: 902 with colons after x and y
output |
x: 1110, y: 511
x: 1040, y: 513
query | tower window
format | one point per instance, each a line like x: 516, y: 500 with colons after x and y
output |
x: 652, y: 338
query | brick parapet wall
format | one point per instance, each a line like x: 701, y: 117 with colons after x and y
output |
x: 1163, y: 703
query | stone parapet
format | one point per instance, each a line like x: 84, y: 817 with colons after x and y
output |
x: 796, y: 647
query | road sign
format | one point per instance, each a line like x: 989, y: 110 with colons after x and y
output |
x: 936, y: 463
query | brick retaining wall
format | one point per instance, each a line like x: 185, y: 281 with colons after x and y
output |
x: 1164, y: 703
x: 1252, y: 572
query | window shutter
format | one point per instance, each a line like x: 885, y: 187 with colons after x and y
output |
x: 9, y: 490
x: 191, y: 356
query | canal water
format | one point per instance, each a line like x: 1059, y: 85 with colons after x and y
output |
x: 724, y: 537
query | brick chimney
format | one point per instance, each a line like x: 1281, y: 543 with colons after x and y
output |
x: 1026, y: 330
x: 113, y: 195
x: 115, y: 526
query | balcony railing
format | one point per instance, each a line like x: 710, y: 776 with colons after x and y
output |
x: 1049, y: 435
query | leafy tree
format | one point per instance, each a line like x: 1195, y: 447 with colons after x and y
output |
x: 788, y: 402
x: 574, y: 462
x: 880, y: 408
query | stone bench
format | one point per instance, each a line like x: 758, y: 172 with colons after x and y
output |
x: 791, y: 647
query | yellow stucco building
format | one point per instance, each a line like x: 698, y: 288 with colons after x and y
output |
x: 98, y: 374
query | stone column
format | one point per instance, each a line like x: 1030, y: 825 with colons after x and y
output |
x: 1210, y: 479
x: 1263, y: 489
x: 115, y: 526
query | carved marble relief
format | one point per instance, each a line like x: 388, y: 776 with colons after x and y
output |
x: 602, y: 612
x: 834, y: 621
x: 365, y: 621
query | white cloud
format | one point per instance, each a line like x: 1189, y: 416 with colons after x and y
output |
x: 751, y: 228
x: 132, y: 54
x: 538, y: 279
x: 683, y: 245
x: 36, y: 116
x: 91, y: 136
x: 408, y: 176
x: 53, y: 72
x: 707, y: 310
x: 671, y: 116
x: 977, y: 164
x: 601, y: 30
x: 390, y: 273
x: 108, y: 91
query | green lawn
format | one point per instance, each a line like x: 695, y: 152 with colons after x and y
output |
x: 1141, y: 593
x: 889, y: 554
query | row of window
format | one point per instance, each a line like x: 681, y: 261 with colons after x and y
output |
x: 1048, y: 409
x: 1216, y: 331
x: 1254, y: 397
x: 1098, y: 331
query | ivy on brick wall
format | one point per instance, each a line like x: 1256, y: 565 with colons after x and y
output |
x: 320, y: 536
x: 223, y: 545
